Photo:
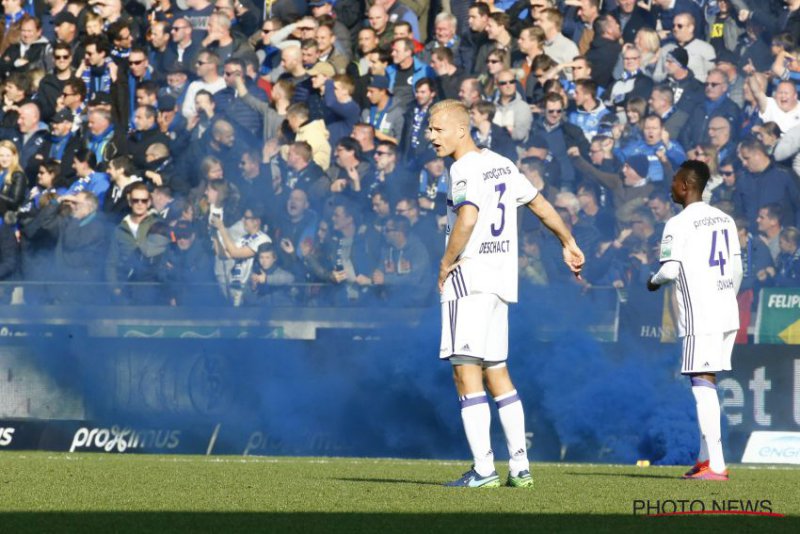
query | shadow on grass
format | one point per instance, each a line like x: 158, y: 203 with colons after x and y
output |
x: 376, y: 522
x: 391, y: 481
x: 624, y: 475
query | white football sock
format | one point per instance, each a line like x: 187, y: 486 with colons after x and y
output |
x: 708, y: 419
x: 477, y: 420
x: 512, y: 417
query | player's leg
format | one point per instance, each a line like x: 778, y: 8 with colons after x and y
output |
x: 708, y: 352
x: 477, y: 419
x: 704, y: 389
x: 512, y: 418
x: 509, y: 405
x: 460, y: 320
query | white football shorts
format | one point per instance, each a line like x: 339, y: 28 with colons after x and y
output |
x: 475, y: 326
x: 707, y: 353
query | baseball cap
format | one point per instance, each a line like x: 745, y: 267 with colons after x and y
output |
x: 166, y: 103
x: 379, y: 82
x: 317, y: 3
x: 322, y: 67
x: 64, y: 115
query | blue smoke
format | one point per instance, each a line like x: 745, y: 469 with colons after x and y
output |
x: 385, y: 393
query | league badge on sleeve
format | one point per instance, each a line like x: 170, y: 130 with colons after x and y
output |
x: 666, y: 247
x: 459, y: 192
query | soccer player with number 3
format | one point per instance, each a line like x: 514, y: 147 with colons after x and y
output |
x: 477, y: 279
x: 700, y: 253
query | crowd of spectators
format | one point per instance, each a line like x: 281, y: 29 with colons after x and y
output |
x: 193, y: 152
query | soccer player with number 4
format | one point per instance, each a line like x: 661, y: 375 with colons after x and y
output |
x: 477, y: 279
x: 700, y: 253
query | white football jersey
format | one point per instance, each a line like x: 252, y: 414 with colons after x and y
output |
x: 704, y: 241
x: 489, y: 262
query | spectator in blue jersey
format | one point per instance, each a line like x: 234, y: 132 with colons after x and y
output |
x: 405, y: 71
x: 97, y: 183
x: 99, y: 70
x: 384, y: 114
x: 590, y: 111
x: 654, y: 139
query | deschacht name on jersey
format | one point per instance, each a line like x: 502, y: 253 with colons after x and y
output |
x: 493, y: 247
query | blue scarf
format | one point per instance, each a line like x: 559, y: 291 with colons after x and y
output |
x: 11, y: 19
x: 59, y: 144
x: 97, y: 143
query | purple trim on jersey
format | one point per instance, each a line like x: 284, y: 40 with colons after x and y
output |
x: 700, y: 382
x: 455, y: 207
x: 474, y: 401
x: 508, y: 400
x: 688, y: 352
x: 459, y: 286
x: 687, y: 300
x: 453, y: 313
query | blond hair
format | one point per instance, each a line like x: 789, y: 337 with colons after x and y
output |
x: 15, y: 166
x: 451, y: 106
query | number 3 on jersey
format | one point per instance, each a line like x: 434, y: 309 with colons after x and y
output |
x: 500, y: 188
x: 717, y: 257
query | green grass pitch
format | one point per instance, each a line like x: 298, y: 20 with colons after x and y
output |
x: 55, y: 492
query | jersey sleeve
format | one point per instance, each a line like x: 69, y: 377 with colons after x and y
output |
x: 524, y: 191
x: 464, y: 190
x: 671, y: 242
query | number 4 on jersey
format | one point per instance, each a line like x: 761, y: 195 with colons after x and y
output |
x: 717, y: 257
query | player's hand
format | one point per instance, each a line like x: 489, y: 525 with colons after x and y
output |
x: 650, y: 285
x: 444, y: 272
x: 573, y: 257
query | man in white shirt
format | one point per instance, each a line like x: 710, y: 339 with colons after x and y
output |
x: 207, y: 66
x: 782, y: 109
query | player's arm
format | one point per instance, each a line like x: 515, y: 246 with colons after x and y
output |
x: 573, y: 256
x: 738, y: 272
x: 668, y: 272
x: 466, y: 218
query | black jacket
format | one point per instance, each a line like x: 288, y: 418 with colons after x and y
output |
x: 603, y: 54
x: 640, y: 18
x: 12, y: 192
